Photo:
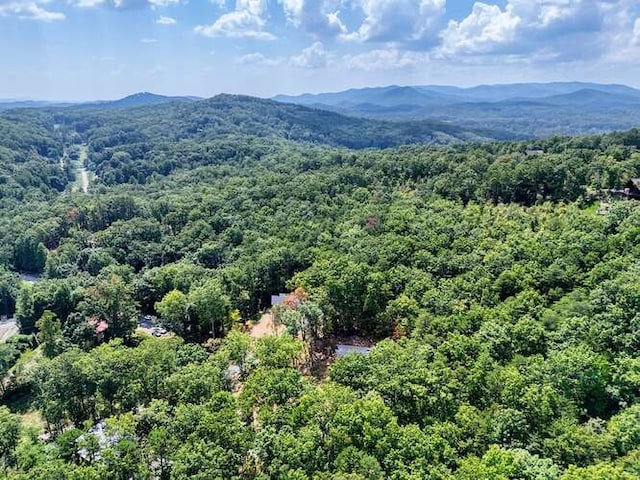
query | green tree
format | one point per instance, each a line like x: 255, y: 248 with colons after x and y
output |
x: 9, y: 287
x: 29, y: 253
x: 278, y: 351
x: 25, y: 311
x: 625, y: 429
x: 211, y: 307
x: 160, y: 446
x: 500, y: 464
x: 581, y: 445
x: 66, y: 389
x: 306, y: 321
x: 600, y: 471
x: 111, y: 300
x: 8, y: 355
x: 9, y: 435
x: 173, y: 310
x: 50, y: 334
x: 236, y: 349
x: 270, y: 387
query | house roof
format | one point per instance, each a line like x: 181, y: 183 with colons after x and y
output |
x: 99, y: 326
x: 102, y: 327
x: 278, y: 299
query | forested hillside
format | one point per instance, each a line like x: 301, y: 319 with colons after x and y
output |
x: 29, y: 153
x: 502, y: 297
x: 226, y: 115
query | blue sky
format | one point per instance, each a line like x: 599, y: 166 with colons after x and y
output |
x: 100, y: 49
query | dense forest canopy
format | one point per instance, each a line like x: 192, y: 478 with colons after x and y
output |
x: 499, y: 282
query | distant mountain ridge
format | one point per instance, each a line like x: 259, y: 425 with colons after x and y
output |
x: 11, y: 104
x: 522, y: 110
x: 439, y: 94
x: 243, y: 116
x: 140, y: 99
x: 530, y: 109
x: 591, y: 95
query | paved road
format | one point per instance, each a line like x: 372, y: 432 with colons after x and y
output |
x: 84, y: 179
x: 82, y: 171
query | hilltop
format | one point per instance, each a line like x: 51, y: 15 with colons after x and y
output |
x: 225, y: 115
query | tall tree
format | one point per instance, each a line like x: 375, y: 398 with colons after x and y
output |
x: 50, y: 334
x: 9, y: 435
x: 111, y: 301
x: 25, y: 309
x: 211, y: 307
x: 173, y: 310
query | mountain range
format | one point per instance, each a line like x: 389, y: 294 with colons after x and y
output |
x: 435, y: 95
x: 524, y: 110
x: 140, y: 99
x: 237, y: 115
x: 528, y: 109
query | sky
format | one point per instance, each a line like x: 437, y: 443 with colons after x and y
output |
x: 105, y: 49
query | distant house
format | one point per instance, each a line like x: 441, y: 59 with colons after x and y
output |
x: 534, y: 151
x: 342, y: 350
x: 103, y: 440
x: 100, y: 327
x: 278, y: 299
x: 630, y: 190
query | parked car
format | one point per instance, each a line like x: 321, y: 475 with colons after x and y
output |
x: 158, y: 331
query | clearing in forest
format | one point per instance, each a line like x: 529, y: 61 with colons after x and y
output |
x: 265, y: 327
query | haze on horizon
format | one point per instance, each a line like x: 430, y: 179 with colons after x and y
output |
x: 104, y: 49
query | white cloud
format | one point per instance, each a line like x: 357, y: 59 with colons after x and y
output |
x: 258, y: 59
x: 246, y: 21
x: 550, y: 29
x: 484, y: 30
x: 293, y: 8
x: 257, y: 7
x: 166, y: 21
x: 149, y: 40
x: 622, y: 34
x: 404, y: 21
x: 636, y: 31
x: 236, y: 24
x: 86, y: 3
x: 29, y: 11
x: 317, y: 17
x: 124, y: 4
x: 386, y: 59
x: 163, y: 3
x: 314, y: 56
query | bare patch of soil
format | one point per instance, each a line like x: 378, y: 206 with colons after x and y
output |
x: 265, y: 327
